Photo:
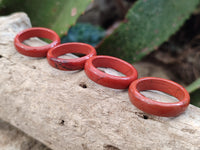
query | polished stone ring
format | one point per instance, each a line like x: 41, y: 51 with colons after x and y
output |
x: 154, y: 107
x: 70, y: 64
x: 112, y: 81
x: 39, y: 32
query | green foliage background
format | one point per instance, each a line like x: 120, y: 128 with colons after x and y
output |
x: 58, y: 15
x: 147, y: 25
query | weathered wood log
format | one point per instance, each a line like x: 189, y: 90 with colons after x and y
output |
x: 14, y: 139
x: 66, y: 110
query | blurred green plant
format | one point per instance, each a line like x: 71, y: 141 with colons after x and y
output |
x: 58, y: 15
x: 85, y: 33
x: 194, y: 86
x: 147, y: 24
x: 195, y: 98
x: 194, y: 90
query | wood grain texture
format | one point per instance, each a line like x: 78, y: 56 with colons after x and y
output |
x: 14, y: 139
x: 66, y: 110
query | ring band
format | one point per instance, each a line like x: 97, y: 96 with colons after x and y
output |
x: 35, y: 32
x: 112, y: 81
x: 70, y: 64
x: 154, y: 107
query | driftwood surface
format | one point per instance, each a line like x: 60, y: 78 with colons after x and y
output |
x: 66, y: 110
x: 14, y: 139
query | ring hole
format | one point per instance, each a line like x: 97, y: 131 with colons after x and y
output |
x: 113, y: 66
x: 46, y: 40
x: 71, y: 55
x: 37, y: 42
x: 111, y: 71
x: 159, y: 96
x: 1, y: 56
x: 83, y: 85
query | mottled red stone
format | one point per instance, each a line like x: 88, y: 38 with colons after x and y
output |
x: 70, y: 64
x: 39, y: 32
x: 112, y: 81
x: 154, y: 107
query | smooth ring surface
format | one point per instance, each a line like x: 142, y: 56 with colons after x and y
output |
x: 154, y: 107
x: 35, y: 32
x: 117, y: 82
x: 70, y: 64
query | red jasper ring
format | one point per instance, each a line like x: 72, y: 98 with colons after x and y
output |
x: 35, y: 32
x: 112, y: 81
x: 70, y: 64
x: 154, y: 107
